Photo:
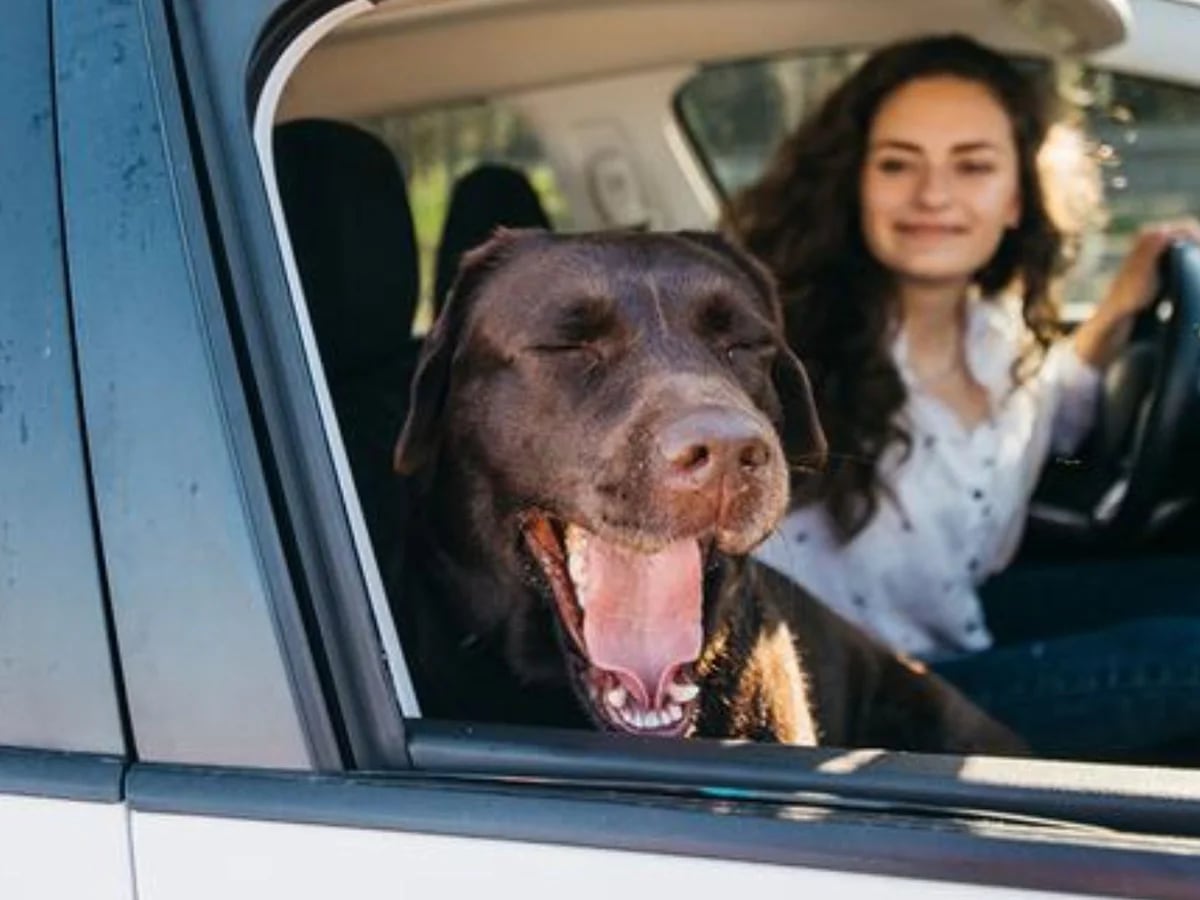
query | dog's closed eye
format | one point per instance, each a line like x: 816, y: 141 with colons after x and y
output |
x: 585, y: 320
x: 755, y: 352
x: 580, y: 329
x: 576, y: 355
x: 564, y: 348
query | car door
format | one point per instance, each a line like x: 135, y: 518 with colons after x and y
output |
x: 279, y: 748
x: 62, y: 741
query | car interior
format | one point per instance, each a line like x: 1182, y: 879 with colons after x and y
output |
x: 391, y: 163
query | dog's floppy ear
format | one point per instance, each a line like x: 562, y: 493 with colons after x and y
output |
x: 421, y: 435
x: 803, y: 439
x: 800, y: 429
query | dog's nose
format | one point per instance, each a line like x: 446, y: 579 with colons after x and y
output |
x: 707, y: 446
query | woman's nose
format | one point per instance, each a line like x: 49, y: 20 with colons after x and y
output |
x: 933, y: 187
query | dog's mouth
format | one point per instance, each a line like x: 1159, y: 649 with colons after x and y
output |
x: 634, y: 617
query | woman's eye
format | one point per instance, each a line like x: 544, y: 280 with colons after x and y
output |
x: 892, y: 165
x: 976, y: 167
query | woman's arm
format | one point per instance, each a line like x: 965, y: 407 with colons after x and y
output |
x: 1101, y: 337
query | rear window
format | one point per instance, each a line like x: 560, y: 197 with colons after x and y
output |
x: 1140, y: 135
x: 437, y: 146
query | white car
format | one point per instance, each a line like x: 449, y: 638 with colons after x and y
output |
x: 202, y: 691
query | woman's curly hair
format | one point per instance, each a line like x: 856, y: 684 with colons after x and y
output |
x: 802, y: 219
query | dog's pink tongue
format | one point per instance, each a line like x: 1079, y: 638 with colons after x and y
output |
x: 642, y: 611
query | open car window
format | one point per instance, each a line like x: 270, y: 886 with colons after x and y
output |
x: 369, y: 203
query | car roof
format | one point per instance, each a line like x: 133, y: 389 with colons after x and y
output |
x: 411, y: 53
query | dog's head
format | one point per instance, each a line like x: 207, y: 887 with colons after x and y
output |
x: 603, y: 413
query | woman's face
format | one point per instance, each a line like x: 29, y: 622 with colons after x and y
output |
x: 939, y: 182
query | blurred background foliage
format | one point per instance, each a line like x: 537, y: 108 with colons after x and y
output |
x: 437, y: 146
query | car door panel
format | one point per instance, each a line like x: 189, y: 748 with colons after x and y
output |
x: 53, y: 632
x: 65, y: 828
x: 202, y: 610
x: 39, y: 830
x: 63, y: 824
x: 244, y: 858
x: 213, y: 832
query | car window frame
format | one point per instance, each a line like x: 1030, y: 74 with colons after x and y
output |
x: 226, y: 54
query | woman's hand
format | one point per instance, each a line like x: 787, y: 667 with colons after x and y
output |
x: 1136, y: 283
x: 1101, y: 337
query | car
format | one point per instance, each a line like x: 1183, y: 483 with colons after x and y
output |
x: 202, y: 690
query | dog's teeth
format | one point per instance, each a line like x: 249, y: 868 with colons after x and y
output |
x: 578, y: 569
x: 576, y: 543
x: 617, y: 696
x: 655, y: 719
x: 674, y: 713
x: 682, y: 693
x: 576, y: 540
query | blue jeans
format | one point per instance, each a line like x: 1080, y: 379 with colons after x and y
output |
x: 1124, y: 686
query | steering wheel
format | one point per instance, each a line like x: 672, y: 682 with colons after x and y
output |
x: 1149, y: 407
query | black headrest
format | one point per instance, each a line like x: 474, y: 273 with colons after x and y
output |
x: 352, y: 232
x: 488, y: 196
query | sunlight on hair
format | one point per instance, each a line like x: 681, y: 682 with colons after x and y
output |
x: 1073, y: 185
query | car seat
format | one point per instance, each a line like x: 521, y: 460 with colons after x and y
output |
x: 488, y: 196
x: 347, y: 212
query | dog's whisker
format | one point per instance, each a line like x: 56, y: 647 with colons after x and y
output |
x: 817, y: 463
x: 835, y: 454
x: 804, y: 469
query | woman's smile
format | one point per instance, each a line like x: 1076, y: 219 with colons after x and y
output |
x: 930, y: 230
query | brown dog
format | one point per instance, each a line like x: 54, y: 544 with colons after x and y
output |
x: 594, y: 444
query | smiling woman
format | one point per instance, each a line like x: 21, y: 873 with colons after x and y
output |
x: 922, y: 307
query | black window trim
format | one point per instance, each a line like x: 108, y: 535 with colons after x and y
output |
x: 1134, y: 799
x: 265, y: 108
x: 226, y: 55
